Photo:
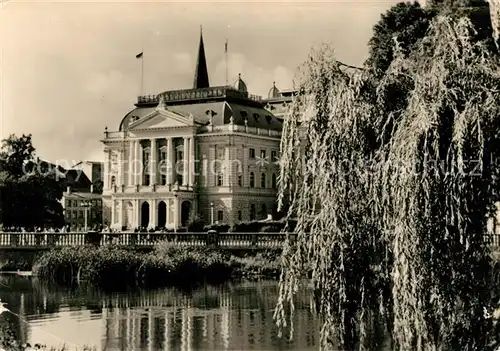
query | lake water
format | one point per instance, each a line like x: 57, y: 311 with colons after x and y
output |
x: 232, y: 316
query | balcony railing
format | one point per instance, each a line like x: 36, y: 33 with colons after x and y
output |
x: 197, y: 94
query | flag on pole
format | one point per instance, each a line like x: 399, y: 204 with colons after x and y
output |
x: 139, y: 55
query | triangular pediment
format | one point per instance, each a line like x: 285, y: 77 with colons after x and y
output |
x: 162, y: 119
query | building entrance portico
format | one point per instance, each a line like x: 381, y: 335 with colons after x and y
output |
x: 171, y: 211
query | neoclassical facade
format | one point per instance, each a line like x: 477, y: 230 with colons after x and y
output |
x: 209, y: 152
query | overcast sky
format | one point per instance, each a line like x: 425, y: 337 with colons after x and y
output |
x: 68, y: 69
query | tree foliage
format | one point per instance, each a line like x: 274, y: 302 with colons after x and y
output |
x: 405, y: 189
x: 406, y: 23
x: 29, y: 190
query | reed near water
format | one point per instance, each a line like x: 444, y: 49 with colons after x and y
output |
x: 111, y: 266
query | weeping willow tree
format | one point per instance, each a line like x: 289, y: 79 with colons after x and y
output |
x: 392, y: 197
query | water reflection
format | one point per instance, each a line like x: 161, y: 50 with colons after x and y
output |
x: 230, y: 316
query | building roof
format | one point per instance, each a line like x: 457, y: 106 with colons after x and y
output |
x: 273, y: 92
x: 207, y: 104
x: 77, y: 180
x: 82, y: 195
x: 240, y: 85
x: 219, y: 104
x: 201, y: 71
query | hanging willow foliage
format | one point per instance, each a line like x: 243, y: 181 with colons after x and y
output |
x: 392, y: 195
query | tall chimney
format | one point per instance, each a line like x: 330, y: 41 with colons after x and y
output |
x: 68, y: 189
x: 91, y: 188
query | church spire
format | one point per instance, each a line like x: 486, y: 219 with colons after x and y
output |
x: 201, y: 72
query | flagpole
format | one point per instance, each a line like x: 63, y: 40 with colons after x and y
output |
x: 142, y: 72
x: 225, y: 51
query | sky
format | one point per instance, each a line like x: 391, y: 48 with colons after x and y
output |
x: 68, y: 69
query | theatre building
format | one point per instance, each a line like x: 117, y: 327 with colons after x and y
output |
x: 208, y: 152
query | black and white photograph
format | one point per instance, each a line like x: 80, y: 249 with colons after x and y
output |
x: 249, y: 175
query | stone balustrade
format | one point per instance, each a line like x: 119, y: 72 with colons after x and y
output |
x: 145, y: 240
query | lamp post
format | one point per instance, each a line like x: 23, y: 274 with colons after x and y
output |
x: 86, y: 205
x: 212, y: 213
x: 176, y: 212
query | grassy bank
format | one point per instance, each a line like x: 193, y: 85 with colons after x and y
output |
x: 111, y: 266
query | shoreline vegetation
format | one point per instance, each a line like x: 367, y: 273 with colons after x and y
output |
x: 113, y: 267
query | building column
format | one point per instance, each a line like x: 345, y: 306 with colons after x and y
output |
x: 211, y: 181
x: 171, y: 160
x: 131, y: 161
x: 245, y: 171
x: 167, y: 215
x: 153, y: 214
x: 192, y: 156
x: 113, y: 211
x: 153, y: 163
x: 120, y: 215
x: 137, y: 213
x: 176, y: 212
x: 185, y: 162
x: 227, y: 167
x: 106, y: 169
x: 137, y: 163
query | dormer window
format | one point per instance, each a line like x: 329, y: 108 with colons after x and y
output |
x: 256, y: 116
x: 268, y: 119
x: 244, y: 114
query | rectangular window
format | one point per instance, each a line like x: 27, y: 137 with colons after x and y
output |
x: 220, y: 216
x: 240, y: 180
x: 68, y: 203
x: 239, y: 216
x: 251, y: 153
x: 220, y: 153
x: 163, y: 179
x: 75, y: 203
x: 274, y: 156
x: 262, y: 154
x: 81, y: 214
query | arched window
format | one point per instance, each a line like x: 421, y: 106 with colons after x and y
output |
x: 164, y: 164
x: 220, y: 179
x: 146, y: 152
x: 252, y: 180
x: 252, y: 212
x: 263, y: 180
x: 113, y: 181
x: 179, y: 161
x: 179, y: 151
x: 240, y: 179
x: 273, y: 181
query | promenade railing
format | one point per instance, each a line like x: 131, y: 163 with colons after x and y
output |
x: 210, y: 239
x: 222, y: 240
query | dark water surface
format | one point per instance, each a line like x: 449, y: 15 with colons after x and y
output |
x: 232, y: 316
